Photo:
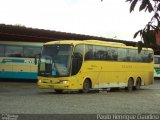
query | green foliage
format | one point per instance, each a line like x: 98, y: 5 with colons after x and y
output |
x: 153, y: 26
x: 133, y: 5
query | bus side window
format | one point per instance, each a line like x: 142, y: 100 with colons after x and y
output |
x: 89, y: 55
x: 144, y: 56
x: 100, y: 52
x: 14, y: 51
x: 122, y: 54
x: 114, y: 55
x: 77, y: 59
x: 89, y: 52
x: 31, y: 52
x: 99, y: 55
x: 106, y: 55
x: 150, y: 57
x: 131, y: 55
x: 155, y: 60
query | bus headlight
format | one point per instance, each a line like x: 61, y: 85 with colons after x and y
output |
x: 63, y: 82
x: 40, y: 81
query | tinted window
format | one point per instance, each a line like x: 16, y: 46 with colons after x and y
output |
x: 150, y: 56
x: 100, y: 53
x: 143, y: 56
x: 131, y: 55
x: 31, y: 52
x: 117, y: 54
x: 122, y: 54
x: 14, y: 51
x: 77, y: 59
x: 89, y: 53
x: 138, y: 57
x: 112, y: 53
x: 157, y: 60
x: 79, y: 49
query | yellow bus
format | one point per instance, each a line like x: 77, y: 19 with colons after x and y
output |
x: 156, y: 66
x: 17, y: 59
x: 93, y: 64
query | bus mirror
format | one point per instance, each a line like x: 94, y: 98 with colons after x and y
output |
x: 36, y: 59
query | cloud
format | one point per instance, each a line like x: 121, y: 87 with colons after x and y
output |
x: 93, y: 17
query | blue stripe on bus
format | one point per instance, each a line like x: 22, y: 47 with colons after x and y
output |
x: 13, y: 60
x: 18, y: 75
x: 31, y: 61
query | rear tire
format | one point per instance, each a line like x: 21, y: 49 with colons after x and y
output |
x: 138, y: 84
x: 130, y: 85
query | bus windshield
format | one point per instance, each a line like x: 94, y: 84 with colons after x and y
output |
x: 55, y: 60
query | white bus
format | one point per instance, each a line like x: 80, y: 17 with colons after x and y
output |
x: 17, y: 59
x: 156, y: 66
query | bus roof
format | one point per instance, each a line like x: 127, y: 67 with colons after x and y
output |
x: 104, y: 42
x: 21, y: 43
x: 95, y: 42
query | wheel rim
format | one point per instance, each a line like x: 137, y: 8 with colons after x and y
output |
x: 86, y: 86
x: 130, y: 85
x: 138, y: 84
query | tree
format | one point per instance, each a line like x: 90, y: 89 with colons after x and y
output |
x: 152, y: 28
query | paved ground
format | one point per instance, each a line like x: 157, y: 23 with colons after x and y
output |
x: 26, y: 98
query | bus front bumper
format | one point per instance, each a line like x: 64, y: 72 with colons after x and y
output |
x: 59, y: 86
x: 53, y: 86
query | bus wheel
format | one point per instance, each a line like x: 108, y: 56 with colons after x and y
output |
x: 58, y: 91
x: 86, y: 86
x: 138, y: 83
x: 130, y: 85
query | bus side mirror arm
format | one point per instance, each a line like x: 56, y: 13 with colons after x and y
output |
x: 37, y: 57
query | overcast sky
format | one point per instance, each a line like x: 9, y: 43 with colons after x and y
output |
x: 110, y: 18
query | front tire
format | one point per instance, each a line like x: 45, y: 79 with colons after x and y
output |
x: 86, y: 86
